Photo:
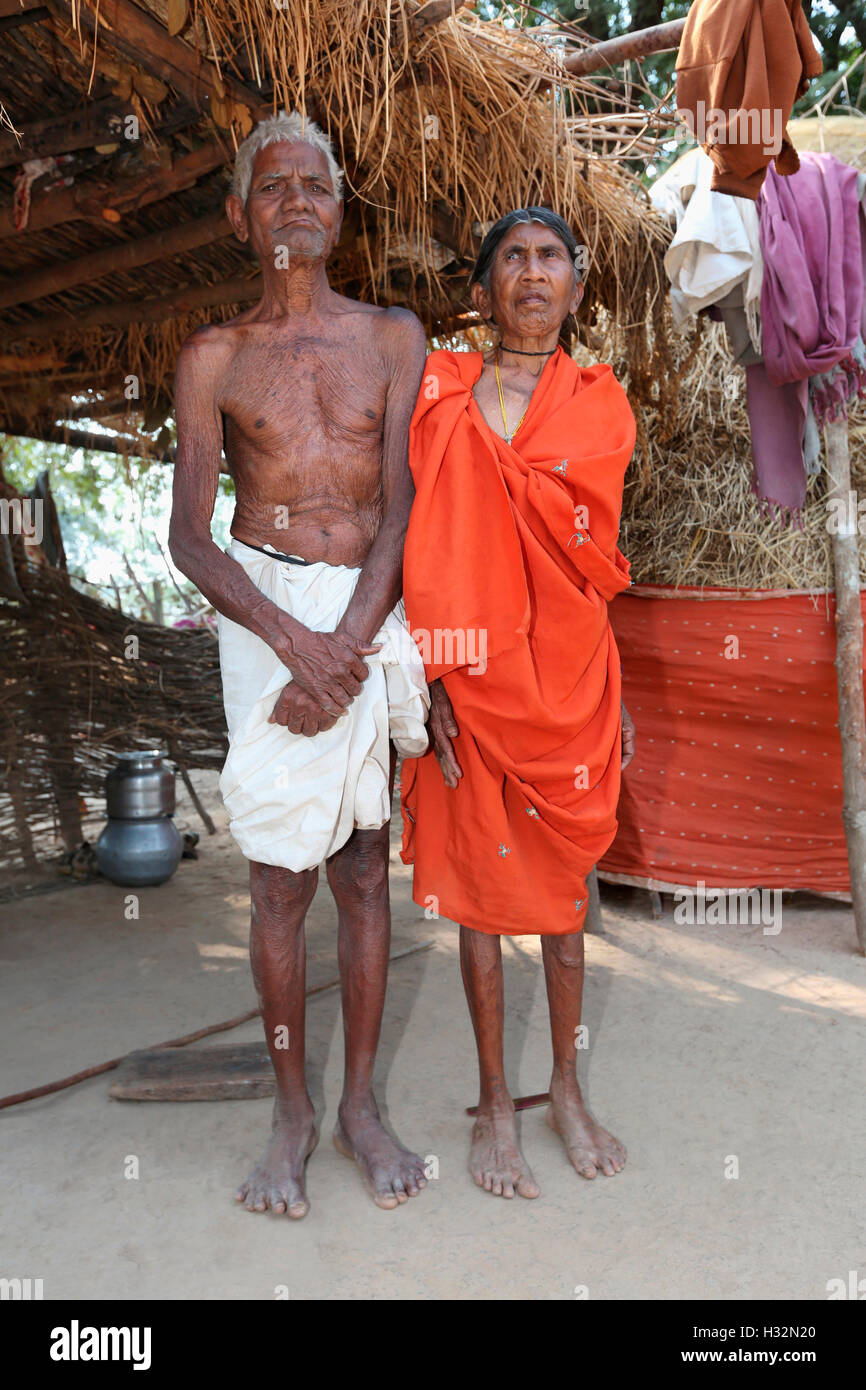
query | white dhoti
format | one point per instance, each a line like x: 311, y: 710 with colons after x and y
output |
x: 294, y: 800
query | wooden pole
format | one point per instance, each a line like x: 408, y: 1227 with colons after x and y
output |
x: 124, y: 27
x: 158, y: 611
x: 849, y: 670
x: 100, y: 200
x: 118, y: 315
x: 123, y: 256
x: 594, y: 921
x: 85, y: 439
x: 77, y: 130
x: 661, y: 38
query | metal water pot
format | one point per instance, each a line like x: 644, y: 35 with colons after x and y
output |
x: 140, y: 787
x: 140, y: 844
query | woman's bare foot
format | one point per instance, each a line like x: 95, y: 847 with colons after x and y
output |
x: 589, y: 1147
x: 495, y: 1160
x: 392, y: 1173
x: 278, y: 1182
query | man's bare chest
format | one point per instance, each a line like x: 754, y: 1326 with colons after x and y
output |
x: 309, y: 392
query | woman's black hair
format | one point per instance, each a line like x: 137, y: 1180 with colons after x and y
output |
x: 484, y: 264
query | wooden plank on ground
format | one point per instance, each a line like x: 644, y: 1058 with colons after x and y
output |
x: 232, y: 1071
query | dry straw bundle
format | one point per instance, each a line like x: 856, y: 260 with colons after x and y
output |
x: 689, y: 513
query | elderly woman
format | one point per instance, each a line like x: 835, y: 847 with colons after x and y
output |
x: 518, y: 457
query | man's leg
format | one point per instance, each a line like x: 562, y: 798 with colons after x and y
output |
x: 589, y: 1147
x: 280, y: 900
x: 495, y: 1160
x: 358, y: 875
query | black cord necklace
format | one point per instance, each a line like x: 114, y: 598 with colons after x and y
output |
x: 520, y: 352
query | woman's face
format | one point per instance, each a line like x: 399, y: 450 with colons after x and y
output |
x: 532, y: 283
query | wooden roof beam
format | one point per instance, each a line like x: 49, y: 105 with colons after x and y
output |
x: 91, y: 123
x: 120, y: 315
x: 8, y: 8
x: 94, y: 123
x: 14, y: 15
x: 139, y: 36
x: 51, y: 433
x: 104, y: 200
x: 124, y: 256
x: 661, y: 38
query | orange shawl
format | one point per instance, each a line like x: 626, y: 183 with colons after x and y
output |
x: 510, y: 561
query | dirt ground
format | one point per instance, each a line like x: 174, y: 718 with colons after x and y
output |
x: 713, y: 1050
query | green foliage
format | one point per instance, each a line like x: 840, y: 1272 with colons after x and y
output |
x: 840, y: 29
x: 109, y: 510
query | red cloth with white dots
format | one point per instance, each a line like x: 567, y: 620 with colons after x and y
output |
x: 737, y: 774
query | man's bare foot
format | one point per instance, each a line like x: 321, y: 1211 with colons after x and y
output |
x: 392, y: 1173
x: 589, y: 1147
x: 278, y: 1182
x: 495, y: 1160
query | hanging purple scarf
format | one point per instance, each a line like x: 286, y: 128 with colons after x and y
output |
x: 813, y: 239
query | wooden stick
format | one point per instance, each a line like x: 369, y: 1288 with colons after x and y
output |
x: 594, y: 922
x: 661, y: 38
x: 849, y: 670
x: 120, y: 315
x: 123, y: 256
x: 520, y: 1102
x: 94, y: 124
x: 134, y: 32
x: 98, y: 200
x: 194, y: 798
x: 85, y: 1075
x: 83, y: 439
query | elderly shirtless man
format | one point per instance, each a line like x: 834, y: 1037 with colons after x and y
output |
x: 310, y: 394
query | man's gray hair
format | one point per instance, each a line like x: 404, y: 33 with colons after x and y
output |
x: 292, y: 127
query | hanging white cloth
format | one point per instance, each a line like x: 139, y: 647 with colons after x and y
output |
x: 716, y: 246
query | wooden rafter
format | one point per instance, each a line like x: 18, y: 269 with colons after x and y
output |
x: 51, y: 433
x: 661, y: 38
x: 126, y: 255
x: 19, y: 16
x: 103, y: 199
x: 140, y: 37
x: 157, y: 310
x: 10, y: 8
x: 93, y: 123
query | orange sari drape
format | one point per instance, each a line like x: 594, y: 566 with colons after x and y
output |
x: 510, y: 561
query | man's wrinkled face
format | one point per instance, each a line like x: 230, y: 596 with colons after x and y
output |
x: 291, y: 204
x: 532, y: 283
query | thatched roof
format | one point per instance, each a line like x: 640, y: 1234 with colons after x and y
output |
x: 119, y: 247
